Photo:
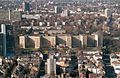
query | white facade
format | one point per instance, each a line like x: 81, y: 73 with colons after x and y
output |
x: 55, y: 9
x: 36, y: 40
x: 65, y: 13
x: 51, y: 66
x: 96, y: 38
x: 108, y: 12
x: 22, y: 41
x: 3, y: 29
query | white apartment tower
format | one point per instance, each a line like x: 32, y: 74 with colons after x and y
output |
x: 51, y: 66
x: 108, y: 12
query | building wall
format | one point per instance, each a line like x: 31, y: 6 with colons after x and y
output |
x: 1, y: 44
x: 100, y: 39
x: 69, y: 41
x: 10, y: 15
x: 108, y: 12
x: 61, y: 39
x: 64, y: 13
x: 56, y: 31
x: 16, y: 16
x: 4, y: 15
x: 3, y: 40
x: 76, y: 42
x: 97, y: 40
x: 84, y: 41
x: 36, y: 40
x: 7, y: 40
x: 79, y: 41
x: 22, y: 42
x: 92, y: 40
x: 29, y: 42
x: 58, y: 9
x: 26, y: 6
x: 48, y: 41
x: 65, y: 40
x: 51, y: 67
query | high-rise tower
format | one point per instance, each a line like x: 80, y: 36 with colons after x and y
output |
x: 108, y: 12
x: 6, y: 40
x: 51, y: 66
x: 3, y: 40
x: 25, y: 6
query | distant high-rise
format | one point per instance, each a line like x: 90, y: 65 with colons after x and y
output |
x: 36, y: 7
x: 65, y: 13
x: 3, y: 40
x: 25, y: 6
x: 6, y: 40
x: 58, y: 9
x: 51, y: 66
x: 9, y: 15
x: 108, y: 12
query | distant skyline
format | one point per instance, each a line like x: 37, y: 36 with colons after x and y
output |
x: 87, y: 0
x: 60, y: 0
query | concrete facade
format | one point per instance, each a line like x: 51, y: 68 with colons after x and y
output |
x: 71, y: 41
x: 8, y: 15
x: 47, y: 41
x: 51, y: 67
x: 22, y: 42
x: 64, y: 40
x: 29, y: 42
x: 36, y: 40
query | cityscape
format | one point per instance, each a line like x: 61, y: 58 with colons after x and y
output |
x: 59, y: 38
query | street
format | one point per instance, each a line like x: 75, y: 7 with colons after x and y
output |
x: 109, y: 70
x: 42, y: 69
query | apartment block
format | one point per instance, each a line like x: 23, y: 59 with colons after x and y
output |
x: 6, y: 40
x: 22, y: 41
x: 77, y: 41
x: 7, y: 15
x: 47, y: 41
x: 64, y: 40
x: 29, y: 41
x: 71, y: 41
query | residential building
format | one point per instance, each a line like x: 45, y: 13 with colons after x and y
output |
x: 3, y: 40
x: 51, y: 66
x: 29, y: 41
x: 64, y: 40
x: 8, y: 15
x: 71, y: 41
x: 48, y: 41
x: 26, y: 6
x: 108, y: 12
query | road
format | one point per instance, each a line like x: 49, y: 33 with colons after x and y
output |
x: 109, y: 70
x: 42, y: 69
